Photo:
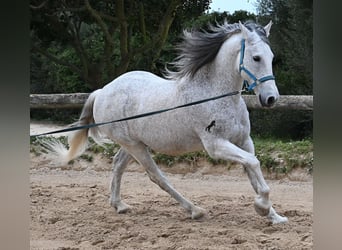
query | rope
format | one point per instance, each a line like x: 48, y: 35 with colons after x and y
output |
x: 137, y: 116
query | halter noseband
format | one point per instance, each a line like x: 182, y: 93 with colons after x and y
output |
x: 256, y: 81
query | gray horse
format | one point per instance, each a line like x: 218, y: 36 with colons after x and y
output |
x: 209, y: 64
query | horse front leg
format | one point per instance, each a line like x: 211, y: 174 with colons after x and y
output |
x: 222, y: 149
x: 273, y: 216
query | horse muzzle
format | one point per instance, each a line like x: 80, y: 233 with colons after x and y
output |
x: 268, y: 100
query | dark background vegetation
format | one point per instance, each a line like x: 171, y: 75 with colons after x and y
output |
x: 81, y: 45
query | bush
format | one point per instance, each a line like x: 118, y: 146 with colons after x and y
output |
x: 282, y: 124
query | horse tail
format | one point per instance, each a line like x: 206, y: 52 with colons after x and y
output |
x: 78, y: 140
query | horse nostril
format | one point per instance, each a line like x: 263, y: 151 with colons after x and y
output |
x: 270, y: 100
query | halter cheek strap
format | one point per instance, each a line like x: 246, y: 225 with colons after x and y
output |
x: 256, y: 81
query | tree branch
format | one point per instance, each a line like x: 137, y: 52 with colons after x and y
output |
x: 108, y: 17
x: 120, y: 13
x: 160, y: 37
x: 109, y: 44
x: 39, y: 6
x: 74, y: 28
x: 80, y: 9
x: 164, y: 26
x: 96, y: 15
x: 142, y: 21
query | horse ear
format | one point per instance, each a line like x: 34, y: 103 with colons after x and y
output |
x: 244, y: 30
x: 267, y: 28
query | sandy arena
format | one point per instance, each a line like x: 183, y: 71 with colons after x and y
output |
x: 70, y: 209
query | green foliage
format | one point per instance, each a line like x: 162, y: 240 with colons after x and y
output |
x: 202, y: 22
x: 106, y: 149
x: 65, y: 81
x: 84, y: 45
x: 87, y: 157
x: 283, y: 124
x: 275, y: 156
x: 189, y: 158
x: 78, y: 40
x: 34, y: 146
x: 281, y: 157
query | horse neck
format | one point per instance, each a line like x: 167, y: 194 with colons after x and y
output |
x: 221, y: 75
x: 225, y: 67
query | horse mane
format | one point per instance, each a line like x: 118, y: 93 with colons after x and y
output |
x: 199, y: 48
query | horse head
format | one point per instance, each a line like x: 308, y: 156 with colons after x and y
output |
x: 255, y: 64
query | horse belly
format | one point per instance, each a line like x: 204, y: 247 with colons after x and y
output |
x: 166, y: 135
x: 176, y: 147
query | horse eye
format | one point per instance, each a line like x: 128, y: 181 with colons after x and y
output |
x: 256, y: 58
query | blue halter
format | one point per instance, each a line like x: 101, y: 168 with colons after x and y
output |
x: 256, y: 81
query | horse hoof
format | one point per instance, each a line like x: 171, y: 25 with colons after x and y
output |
x: 280, y: 220
x: 262, y: 207
x: 121, y: 207
x: 276, y: 218
x: 197, y: 213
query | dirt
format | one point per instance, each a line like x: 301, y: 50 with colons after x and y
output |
x: 70, y: 208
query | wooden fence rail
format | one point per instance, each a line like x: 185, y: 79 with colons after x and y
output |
x: 76, y: 100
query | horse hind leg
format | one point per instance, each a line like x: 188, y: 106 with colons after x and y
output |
x: 121, y: 160
x: 142, y: 155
